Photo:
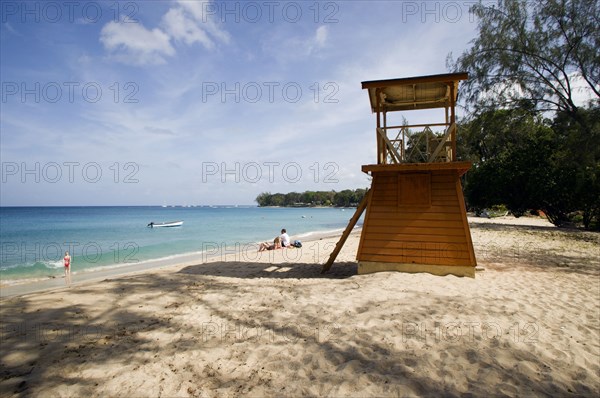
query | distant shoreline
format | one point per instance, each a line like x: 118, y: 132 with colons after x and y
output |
x: 308, y: 207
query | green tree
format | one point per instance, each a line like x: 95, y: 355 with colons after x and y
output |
x: 264, y: 199
x: 312, y: 198
x: 507, y: 148
x: 278, y: 199
x: 292, y: 198
x: 324, y: 198
x: 343, y: 198
x: 308, y: 197
x: 359, y: 194
x: 523, y: 162
x: 529, y: 59
x: 533, y: 51
x: 490, y: 132
x: 579, y: 152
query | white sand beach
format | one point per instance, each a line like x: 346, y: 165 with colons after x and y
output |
x: 257, y: 325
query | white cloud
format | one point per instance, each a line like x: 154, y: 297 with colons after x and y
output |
x: 84, y: 60
x: 198, y: 10
x: 187, y: 22
x: 134, y: 44
x: 286, y: 46
x: 183, y: 28
x: 582, y: 92
x: 159, y: 131
x: 12, y: 30
x: 312, y: 44
x: 321, y: 36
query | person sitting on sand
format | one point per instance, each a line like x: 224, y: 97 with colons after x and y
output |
x: 285, y: 238
x: 67, y: 262
x: 267, y: 246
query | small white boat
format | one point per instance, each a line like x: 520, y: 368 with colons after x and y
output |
x: 165, y: 224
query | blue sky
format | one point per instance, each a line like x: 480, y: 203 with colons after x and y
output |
x: 189, y: 102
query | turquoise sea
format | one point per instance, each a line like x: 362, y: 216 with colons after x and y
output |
x: 34, y: 239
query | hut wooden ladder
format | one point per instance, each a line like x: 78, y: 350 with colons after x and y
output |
x: 359, y: 210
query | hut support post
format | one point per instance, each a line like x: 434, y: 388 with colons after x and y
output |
x: 453, y: 122
x: 380, y: 143
x: 359, y: 210
x: 383, y: 133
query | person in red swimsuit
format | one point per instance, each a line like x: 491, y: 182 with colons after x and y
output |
x: 67, y: 261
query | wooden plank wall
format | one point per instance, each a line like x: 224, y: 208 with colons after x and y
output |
x: 424, y: 228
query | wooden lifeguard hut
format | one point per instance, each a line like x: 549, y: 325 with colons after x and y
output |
x: 415, y: 211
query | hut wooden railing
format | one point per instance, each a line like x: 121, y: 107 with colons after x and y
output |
x: 423, y: 146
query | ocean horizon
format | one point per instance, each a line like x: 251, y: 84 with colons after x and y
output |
x: 34, y: 239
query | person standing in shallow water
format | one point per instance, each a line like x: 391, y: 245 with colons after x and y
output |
x: 67, y: 263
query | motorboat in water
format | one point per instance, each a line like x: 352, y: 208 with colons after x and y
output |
x: 165, y: 224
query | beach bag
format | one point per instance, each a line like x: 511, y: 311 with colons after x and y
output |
x: 297, y: 243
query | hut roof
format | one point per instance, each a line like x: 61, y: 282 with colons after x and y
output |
x: 421, y: 92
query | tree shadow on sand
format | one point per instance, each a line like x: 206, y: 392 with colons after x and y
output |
x: 540, y: 248
x: 575, y: 233
x: 235, y: 269
x: 79, y: 349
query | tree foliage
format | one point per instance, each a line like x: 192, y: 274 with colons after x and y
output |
x: 533, y: 145
x: 526, y: 162
x: 345, y: 198
x: 535, y: 51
